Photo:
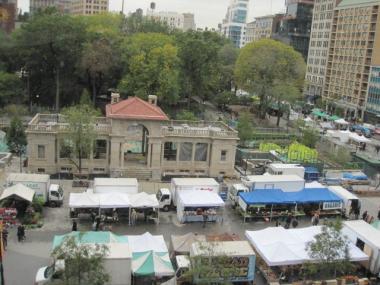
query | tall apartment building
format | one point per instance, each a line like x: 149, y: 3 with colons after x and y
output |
x: 373, y: 100
x: 235, y: 22
x: 354, y: 50
x: 174, y: 20
x: 88, y: 7
x: 318, y: 48
x: 8, y: 14
x: 295, y: 26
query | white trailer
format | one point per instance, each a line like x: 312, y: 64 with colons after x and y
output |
x: 183, y: 184
x: 119, y: 185
x: 286, y: 169
x: 287, y: 183
x: 351, y: 202
x: 52, y: 194
x: 367, y: 238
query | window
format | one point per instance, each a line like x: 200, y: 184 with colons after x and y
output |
x: 41, y: 170
x: 170, y: 151
x: 223, y: 155
x: 100, y: 149
x: 41, y: 151
x: 186, y: 151
x: 201, y: 152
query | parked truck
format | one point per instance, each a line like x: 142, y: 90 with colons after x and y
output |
x: 286, y: 169
x: 287, y: 183
x: 52, y: 194
x: 233, y: 193
x: 351, y: 203
x: 119, y: 185
x: 167, y: 197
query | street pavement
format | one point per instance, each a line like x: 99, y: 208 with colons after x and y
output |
x: 22, y: 260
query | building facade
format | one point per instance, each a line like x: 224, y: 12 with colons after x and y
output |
x: 174, y: 20
x: 8, y: 15
x: 373, y: 100
x: 354, y: 48
x: 235, y: 22
x: 88, y: 7
x: 250, y: 32
x: 318, y: 48
x: 135, y: 139
x: 295, y: 26
x: 63, y: 6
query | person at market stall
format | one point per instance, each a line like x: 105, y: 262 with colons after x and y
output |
x: 5, y: 237
x: 75, y: 226
x: 365, y: 215
x: 20, y: 233
x: 133, y: 217
x: 295, y: 222
x: 288, y: 221
x: 378, y: 215
x: 205, y: 218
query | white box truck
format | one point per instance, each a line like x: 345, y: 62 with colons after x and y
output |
x: 287, y: 183
x: 183, y: 184
x: 286, y: 169
x: 119, y: 185
x: 351, y: 202
x: 52, y: 194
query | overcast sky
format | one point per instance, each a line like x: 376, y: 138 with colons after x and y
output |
x: 207, y: 12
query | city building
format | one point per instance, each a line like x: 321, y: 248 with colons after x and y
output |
x: 88, y: 7
x: 354, y: 50
x: 8, y: 15
x: 234, y: 24
x: 174, y: 20
x: 61, y: 5
x: 373, y: 101
x: 135, y: 139
x: 250, y: 32
x: 319, y: 48
x: 295, y: 26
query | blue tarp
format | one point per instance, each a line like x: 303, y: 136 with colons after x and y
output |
x: 347, y: 175
x: 277, y: 196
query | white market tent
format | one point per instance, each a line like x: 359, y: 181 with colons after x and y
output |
x: 143, y: 200
x: 147, y: 242
x: 279, y: 246
x: 341, y: 122
x: 109, y: 185
x: 360, y: 139
x: 84, y: 200
x: 20, y: 191
x: 113, y: 200
x: 314, y: 184
x: 182, y: 244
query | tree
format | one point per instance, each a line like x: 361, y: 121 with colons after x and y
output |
x: 310, y: 137
x: 245, y: 127
x: 265, y: 67
x: 81, y: 132
x: 199, y: 70
x: 282, y: 96
x: 84, y: 264
x: 16, y: 137
x: 329, y: 251
x: 227, y: 57
x: 151, y: 67
x: 186, y: 116
x: 11, y: 90
x: 137, y: 23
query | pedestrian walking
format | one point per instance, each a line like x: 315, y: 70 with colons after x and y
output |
x: 93, y: 216
x: 5, y: 238
x: 365, y: 215
x: 205, y: 218
x: 378, y: 215
x: 133, y: 217
x: 75, y: 226
x: 288, y: 221
x: 295, y: 222
x: 20, y: 233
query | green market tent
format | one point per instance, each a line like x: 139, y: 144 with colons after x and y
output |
x: 90, y: 238
x: 334, y: 118
x: 319, y: 113
x: 151, y: 263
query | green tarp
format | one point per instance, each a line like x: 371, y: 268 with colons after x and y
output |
x: 90, y: 237
x: 151, y: 263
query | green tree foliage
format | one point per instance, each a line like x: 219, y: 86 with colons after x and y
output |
x: 50, y: 44
x: 330, y: 251
x: 81, y: 132
x: 137, y: 23
x: 245, y: 127
x: 310, y: 137
x: 198, y: 53
x: 84, y: 264
x: 186, y: 116
x: 227, y: 57
x: 11, y: 90
x: 151, y: 67
x: 268, y: 67
x: 16, y: 137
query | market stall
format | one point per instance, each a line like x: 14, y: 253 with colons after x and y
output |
x: 150, y: 258
x: 143, y: 204
x: 274, y: 203
x: 199, y: 206
x: 15, y: 200
x: 182, y: 244
x: 278, y: 248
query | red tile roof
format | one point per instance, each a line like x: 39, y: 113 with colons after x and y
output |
x: 135, y: 108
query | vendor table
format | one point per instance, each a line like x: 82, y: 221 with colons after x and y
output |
x: 247, y: 215
x: 199, y: 218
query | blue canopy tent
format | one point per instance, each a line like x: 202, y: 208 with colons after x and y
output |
x: 279, y: 197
